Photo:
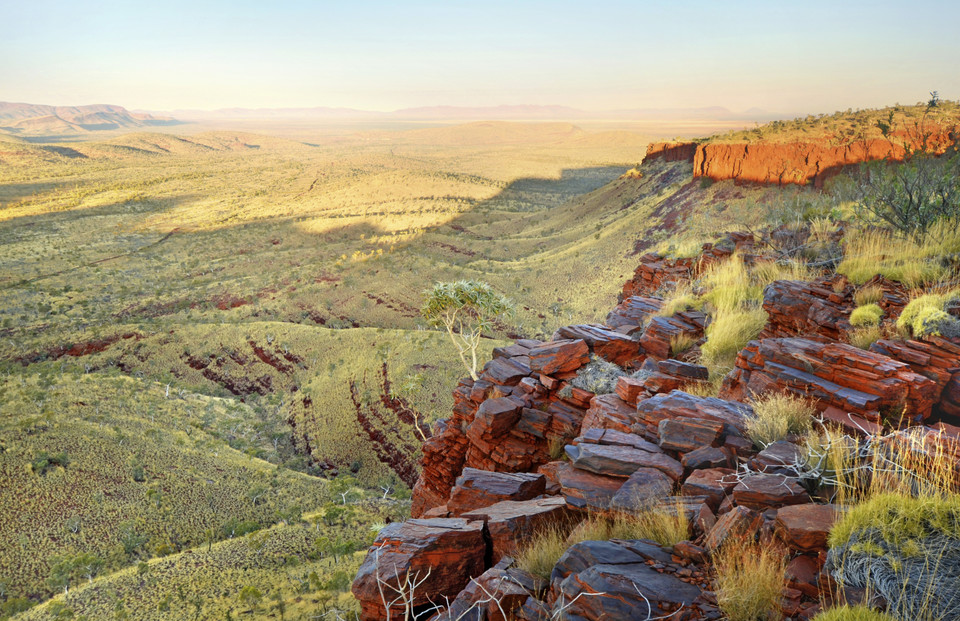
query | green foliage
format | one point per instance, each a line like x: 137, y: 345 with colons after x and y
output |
x: 868, y: 315
x: 853, y: 613
x: 44, y: 462
x: 898, y: 520
x: 466, y: 309
x: 925, y: 316
x: 913, y: 196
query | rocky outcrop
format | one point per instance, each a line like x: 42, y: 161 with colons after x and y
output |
x: 802, y: 162
x: 509, y: 523
x: 670, y: 152
x: 852, y: 380
x: 441, y: 555
x: 475, y: 489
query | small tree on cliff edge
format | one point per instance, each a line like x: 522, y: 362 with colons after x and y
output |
x: 465, y: 309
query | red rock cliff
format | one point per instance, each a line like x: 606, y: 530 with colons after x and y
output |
x: 802, y: 162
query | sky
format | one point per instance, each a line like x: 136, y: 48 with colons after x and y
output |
x: 801, y: 56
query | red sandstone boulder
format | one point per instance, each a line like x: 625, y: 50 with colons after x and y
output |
x: 678, y: 405
x: 661, y: 331
x: 688, y: 434
x: 738, y: 522
x: 632, y: 314
x: 629, y: 389
x: 604, y: 342
x: 862, y: 382
x: 805, y: 527
x: 809, y: 308
x: 443, y: 553
x: 609, y: 412
x: 714, y: 484
x: 763, y: 491
x: 480, y: 488
x: 705, y: 457
x: 559, y: 356
x: 499, y: 591
x: 642, y: 489
x: 586, y: 490
x: 621, y: 461
x: 510, y: 522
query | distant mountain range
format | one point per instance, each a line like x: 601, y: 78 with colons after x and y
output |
x: 32, y: 119
x: 472, y: 113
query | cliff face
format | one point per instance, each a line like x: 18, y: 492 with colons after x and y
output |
x: 791, y: 162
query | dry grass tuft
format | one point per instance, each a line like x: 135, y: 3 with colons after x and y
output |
x: 863, y: 338
x: 776, y: 416
x: 867, y: 315
x: 750, y: 580
x: 868, y: 295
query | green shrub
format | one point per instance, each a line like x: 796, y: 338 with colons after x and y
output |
x: 925, y: 316
x: 853, y: 613
x: 869, y: 315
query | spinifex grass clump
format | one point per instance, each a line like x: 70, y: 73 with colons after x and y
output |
x: 913, y: 261
x: 904, y: 548
x: 735, y: 295
x: 926, y: 316
x: 867, y: 315
x: 853, y: 613
x: 776, y: 416
x: 750, y: 579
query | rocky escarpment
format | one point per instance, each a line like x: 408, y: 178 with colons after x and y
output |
x: 799, y: 162
x: 528, y: 448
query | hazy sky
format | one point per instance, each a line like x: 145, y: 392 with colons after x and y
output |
x: 799, y: 56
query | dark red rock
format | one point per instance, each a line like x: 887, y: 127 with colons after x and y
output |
x: 803, y: 574
x: 496, y: 592
x: 712, y: 483
x: 584, y: 489
x: 805, y: 527
x: 494, y: 418
x: 633, y: 313
x: 641, y: 489
x: 705, y: 457
x: 629, y: 389
x: 444, y: 553
x: 678, y: 404
x: 480, y: 488
x: 834, y: 374
x: 504, y: 371
x: 762, y: 491
x: 621, y: 461
x: 559, y: 356
x: 661, y: 331
x: 510, y: 522
x: 688, y: 434
x: 738, y: 522
x: 609, y: 412
x: 604, y: 342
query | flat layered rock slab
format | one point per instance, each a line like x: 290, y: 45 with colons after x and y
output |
x: 621, y: 461
x: 629, y: 591
x: 806, y: 527
x: 481, y: 488
x: 609, y: 412
x: 609, y: 344
x: 642, y: 490
x: 586, y: 490
x: 510, y: 523
x: 678, y: 404
x: 559, y: 356
x: 450, y: 550
x: 765, y: 491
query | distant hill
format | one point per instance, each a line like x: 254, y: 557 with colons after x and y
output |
x: 36, y: 120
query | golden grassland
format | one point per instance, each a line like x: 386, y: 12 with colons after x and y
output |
x: 289, y: 567
x: 145, y: 474
x: 849, y: 126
